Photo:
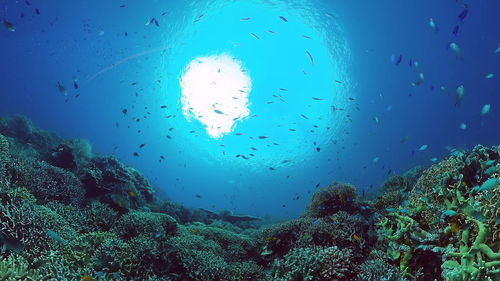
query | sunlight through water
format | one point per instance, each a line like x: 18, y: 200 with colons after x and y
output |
x: 215, y: 92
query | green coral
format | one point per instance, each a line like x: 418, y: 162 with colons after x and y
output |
x: 15, y: 268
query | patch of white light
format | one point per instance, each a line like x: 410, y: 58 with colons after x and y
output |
x: 214, y: 91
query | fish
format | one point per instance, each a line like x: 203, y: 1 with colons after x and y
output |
x: 463, y: 126
x: 460, y: 94
x: 164, y: 13
x: 142, y: 145
x: 199, y: 18
x: 9, y: 26
x: 423, y: 147
x: 351, y: 98
x: 218, y: 111
x: 433, y: 159
x: 485, y: 109
x: 244, y: 157
x: 285, y: 161
x: 409, y: 62
x: 283, y: 89
x: 263, y: 137
x: 389, y: 108
x: 271, y: 168
x: 253, y: 148
x: 37, y: 11
x: 398, y: 60
x: 455, y: 48
x: 283, y: 19
x: 131, y: 193
x: 293, y: 130
x: 244, y: 19
x: 455, y: 30
x: 307, y: 37
x: 489, y: 76
x: 405, y: 139
x: 61, y: 89
x: 433, y: 25
x: 135, y: 154
x: 163, y: 106
x: 272, y: 32
x: 256, y: 37
x: 156, y: 22
x: 75, y: 85
x: 122, y: 6
x: 314, y: 98
x: 27, y: 3
x: 318, y: 149
x: 304, y: 116
x: 464, y: 13
x: 197, y: 196
x: 340, y: 82
x: 419, y: 81
x: 87, y: 278
x: 310, y: 58
x: 124, y: 111
x: 356, y: 238
x: 375, y: 160
x: 497, y: 50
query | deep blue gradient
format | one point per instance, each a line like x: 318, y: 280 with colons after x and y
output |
x: 122, y: 63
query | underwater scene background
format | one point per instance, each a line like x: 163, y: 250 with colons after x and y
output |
x: 249, y: 140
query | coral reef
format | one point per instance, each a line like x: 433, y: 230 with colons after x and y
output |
x: 68, y: 214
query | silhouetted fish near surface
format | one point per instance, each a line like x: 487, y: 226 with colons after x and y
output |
x: 199, y: 18
x: 283, y: 19
x: 142, y: 145
x: 314, y: 98
x: 136, y: 154
x: 263, y: 137
x: 304, y: 116
x: 244, y: 19
x: 218, y: 111
x: 310, y: 58
x: 37, y: 11
x: 307, y: 37
x: 255, y: 36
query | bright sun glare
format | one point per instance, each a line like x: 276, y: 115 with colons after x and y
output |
x: 214, y: 91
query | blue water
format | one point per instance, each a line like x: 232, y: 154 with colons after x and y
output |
x: 122, y: 60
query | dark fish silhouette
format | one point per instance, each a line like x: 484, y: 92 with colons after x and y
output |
x: 283, y: 19
x: 464, y: 13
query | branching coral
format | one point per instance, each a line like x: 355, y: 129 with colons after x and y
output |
x: 4, y: 159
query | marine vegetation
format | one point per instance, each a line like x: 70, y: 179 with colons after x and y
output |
x: 69, y: 214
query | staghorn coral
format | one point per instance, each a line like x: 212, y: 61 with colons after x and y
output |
x: 4, y: 159
x: 150, y: 224
x: 15, y: 267
x: 299, y: 264
x: 337, y: 264
x: 47, y: 182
